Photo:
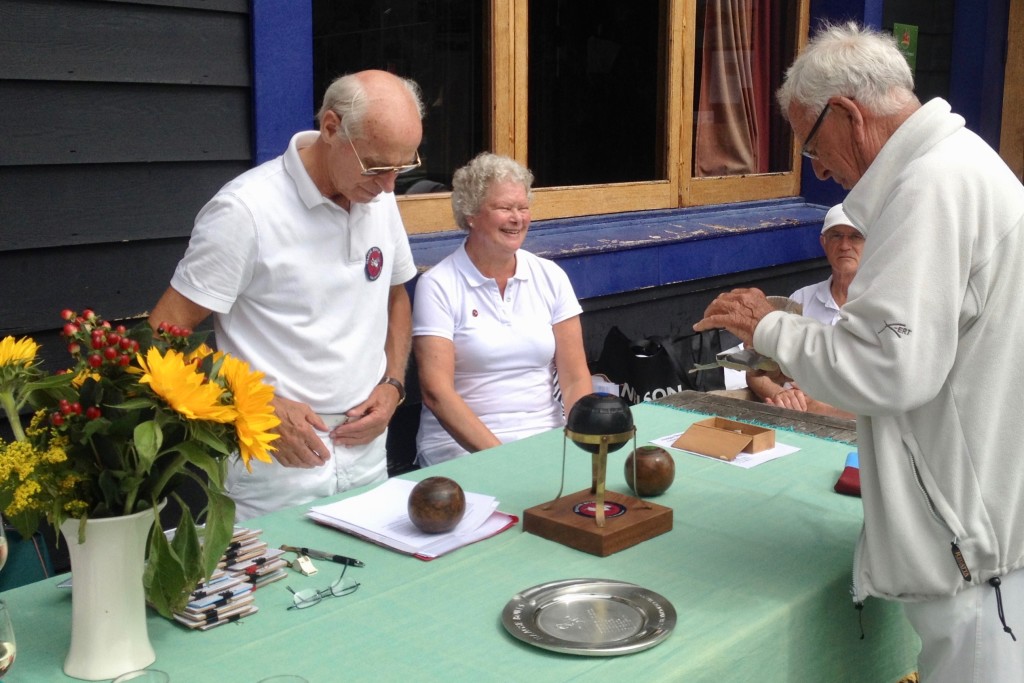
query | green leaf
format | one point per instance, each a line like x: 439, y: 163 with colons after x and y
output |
x: 135, y: 404
x: 27, y: 523
x: 47, y: 392
x: 48, y: 382
x: 148, y: 439
x: 197, y: 455
x: 186, y: 546
x: 165, y: 576
x: 128, y: 484
x: 142, y: 333
x: 109, y: 450
x: 209, y: 438
x: 110, y: 490
x: 220, y: 523
x: 100, y: 425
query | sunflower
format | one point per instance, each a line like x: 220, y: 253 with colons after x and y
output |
x: 198, y: 354
x: 21, y: 352
x: 80, y: 378
x: 255, y: 414
x: 183, y: 387
x: 17, y: 366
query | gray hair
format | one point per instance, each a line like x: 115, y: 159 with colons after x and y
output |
x: 471, y: 183
x: 852, y: 61
x: 346, y: 97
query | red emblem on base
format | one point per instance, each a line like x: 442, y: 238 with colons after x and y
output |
x: 588, y: 508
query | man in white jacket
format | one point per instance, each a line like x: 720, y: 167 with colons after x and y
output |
x: 926, y: 353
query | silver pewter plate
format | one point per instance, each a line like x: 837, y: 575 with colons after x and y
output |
x: 596, y: 617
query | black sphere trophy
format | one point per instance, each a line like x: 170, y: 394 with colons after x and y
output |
x: 594, y: 520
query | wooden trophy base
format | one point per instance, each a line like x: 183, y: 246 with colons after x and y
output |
x: 557, y: 521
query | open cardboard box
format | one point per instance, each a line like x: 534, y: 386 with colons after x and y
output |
x: 725, y: 439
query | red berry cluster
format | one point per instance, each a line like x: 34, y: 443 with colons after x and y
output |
x: 67, y: 410
x: 173, y: 333
x: 96, y: 341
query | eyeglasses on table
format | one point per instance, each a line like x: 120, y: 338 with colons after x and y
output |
x: 310, y: 596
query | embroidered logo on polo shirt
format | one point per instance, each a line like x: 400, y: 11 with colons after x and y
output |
x: 475, y: 313
x: 374, y: 263
x: 899, y: 329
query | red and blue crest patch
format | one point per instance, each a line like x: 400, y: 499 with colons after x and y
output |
x: 374, y: 263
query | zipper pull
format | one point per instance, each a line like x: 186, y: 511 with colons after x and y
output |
x: 961, y: 564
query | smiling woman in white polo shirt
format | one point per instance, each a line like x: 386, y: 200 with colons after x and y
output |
x: 492, y: 323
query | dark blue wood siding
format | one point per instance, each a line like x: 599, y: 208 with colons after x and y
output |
x: 120, y: 120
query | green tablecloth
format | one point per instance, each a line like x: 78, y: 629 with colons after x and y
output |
x: 757, y: 566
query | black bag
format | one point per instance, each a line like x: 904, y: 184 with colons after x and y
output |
x: 650, y: 368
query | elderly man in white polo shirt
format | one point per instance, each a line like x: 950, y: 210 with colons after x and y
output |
x: 843, y: 244
x: 302, y: 262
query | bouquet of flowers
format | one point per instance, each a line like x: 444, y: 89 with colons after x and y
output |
x: 139, y: 414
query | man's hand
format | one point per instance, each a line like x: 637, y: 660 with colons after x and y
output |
x: 792, y: 398
x: 369, y: 419
x: 738, y: 311
x: 299, y: 446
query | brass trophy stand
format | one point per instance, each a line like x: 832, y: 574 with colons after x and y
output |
x: 581, y: 520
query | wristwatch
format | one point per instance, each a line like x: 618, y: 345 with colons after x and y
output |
x: 396, y: 384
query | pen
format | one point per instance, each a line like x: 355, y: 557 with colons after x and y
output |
x: 321, y: 555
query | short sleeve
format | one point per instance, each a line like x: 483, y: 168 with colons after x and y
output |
x: 218, y: 263
x: 432, y: 311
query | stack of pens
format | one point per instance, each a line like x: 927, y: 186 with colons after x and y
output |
x: 306, y: 567
x: 228, y: 595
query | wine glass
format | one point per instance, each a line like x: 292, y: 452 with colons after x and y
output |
x: 3, y: 544
x: 7, y: 647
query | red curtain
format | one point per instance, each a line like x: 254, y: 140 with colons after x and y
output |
x: 732, y: 126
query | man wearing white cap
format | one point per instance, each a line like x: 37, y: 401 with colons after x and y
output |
x: 843, y: 244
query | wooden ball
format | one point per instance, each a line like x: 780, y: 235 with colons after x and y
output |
x: 436, y: 505
x: 655, y: 470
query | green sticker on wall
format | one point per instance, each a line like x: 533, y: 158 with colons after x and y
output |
x: 906, y: 39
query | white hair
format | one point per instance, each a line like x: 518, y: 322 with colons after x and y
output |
x: 346, y: 97
x: 471, y: 183
x: 852, y: 61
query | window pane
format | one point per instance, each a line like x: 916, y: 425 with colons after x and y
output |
x: 437, y: 43
x: 743, y: 49
x: 596, y: 95
x: 934, y: 21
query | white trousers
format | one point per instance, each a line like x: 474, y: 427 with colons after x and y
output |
x: 962, y: 638
x: 271, y: 486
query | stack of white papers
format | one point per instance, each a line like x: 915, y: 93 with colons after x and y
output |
x: 381, y: 516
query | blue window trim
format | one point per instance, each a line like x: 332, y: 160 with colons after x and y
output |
x: 282, y: 62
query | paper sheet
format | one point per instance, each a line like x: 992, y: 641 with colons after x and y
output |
x: 381, y: 515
